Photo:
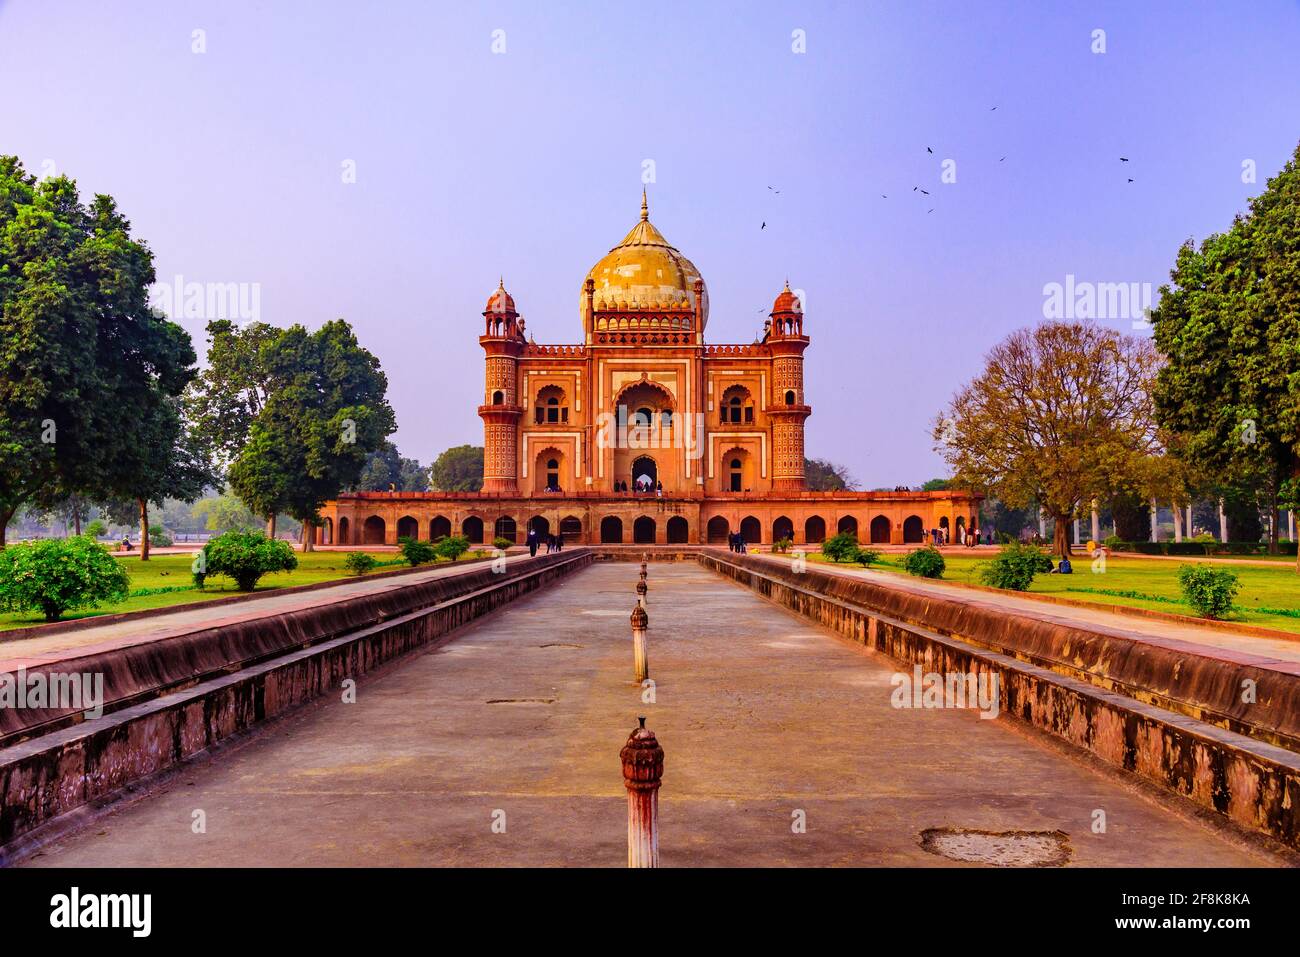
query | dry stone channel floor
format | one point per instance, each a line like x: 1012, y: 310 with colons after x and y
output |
x: 501, y: 748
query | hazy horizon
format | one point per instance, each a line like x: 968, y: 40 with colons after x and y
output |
x: 527, y: 163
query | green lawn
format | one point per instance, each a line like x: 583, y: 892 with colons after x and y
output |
x: 1155, y: 581
x: 173, y: 572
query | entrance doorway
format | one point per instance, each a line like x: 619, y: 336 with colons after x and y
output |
x: 644, y: 474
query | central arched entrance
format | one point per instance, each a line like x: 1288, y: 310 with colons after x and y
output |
x: 643, y: 531
x: 645, y: 473
x: 750, y: 530
x: 678, y: 530
x: 611, y: 531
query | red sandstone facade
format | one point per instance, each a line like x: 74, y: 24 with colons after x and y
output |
x: 716, y: 432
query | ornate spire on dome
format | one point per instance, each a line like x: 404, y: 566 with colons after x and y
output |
x: 645, y: 208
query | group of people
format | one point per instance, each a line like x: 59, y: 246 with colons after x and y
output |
x: 643, y: 486
x: 968, y: 537
x: 553, y: 543
x: 736, y: 541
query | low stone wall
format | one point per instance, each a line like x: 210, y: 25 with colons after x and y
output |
x: 1253, y: 783
x: 302, y: 655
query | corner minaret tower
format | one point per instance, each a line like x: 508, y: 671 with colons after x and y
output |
x: 503, y: 341
x: 787, y: 408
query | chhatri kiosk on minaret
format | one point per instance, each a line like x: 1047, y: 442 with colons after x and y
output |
x: 642, y: 432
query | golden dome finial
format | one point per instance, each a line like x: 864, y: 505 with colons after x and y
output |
x: 645, y: 209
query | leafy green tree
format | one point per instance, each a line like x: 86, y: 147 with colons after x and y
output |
x: 84, y: 356
x: 95, y: 528
x: 459, y: 469
x: 1059, y: 414
x: 225, y: 513
x: 326, y: 411
x: 229, y: 394
x: 387, y: 468
x: 244, y: 557
x: 823, y: 476
x: 56, y: 575
x: 937, y: 485
x: 1229, y: 324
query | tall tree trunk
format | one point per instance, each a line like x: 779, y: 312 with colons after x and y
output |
x: 270, y: 526
x: 76, y: 521
x: 308, y: 534
x: 5, y: 518
x: 144, y: 529
x: 1272, y: 523
x: 1061, y: 536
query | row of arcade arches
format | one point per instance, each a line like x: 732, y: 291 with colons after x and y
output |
x: 614, y: 530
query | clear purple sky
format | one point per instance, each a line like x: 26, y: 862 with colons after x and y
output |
x: 528, y: 163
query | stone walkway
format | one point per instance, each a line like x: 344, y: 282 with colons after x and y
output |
x: 519, y: 720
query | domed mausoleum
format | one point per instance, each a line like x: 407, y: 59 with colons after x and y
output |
x: 643, y: 433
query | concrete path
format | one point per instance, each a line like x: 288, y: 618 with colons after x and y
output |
x: 1282, y: 654
x: 519, y: 720
x: 42, y: 649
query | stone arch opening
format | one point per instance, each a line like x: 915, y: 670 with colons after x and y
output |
x: 344, y: 528
x: 408, y: 527
x: 847, y: 525
x: 611, y: 530
x: 439, y: 527
x: 814, y: 530
x: 472, y: 529
x: 880, y: 530
x: 751, y: 530
x: 504, y: 527
x: 913, y: 530
x: 540, y: 524
x: 643, y: 531
x: 679, y: 530
x: 372, y: 532
x: 782, y: 528
x: 717, y: 530
x: 571, y: 526
x: 645, y: 474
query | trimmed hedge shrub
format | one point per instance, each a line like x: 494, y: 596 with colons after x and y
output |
x: 244, y: 557
x: 925, y: 563
x: 1210, y: 591
x: 452, y: 547
x: 417, y: 552
x: 358, y: 563
x: 1015, y: 566
x: 502, y: 543
x: 840, y: 548
x: 866, y: 556
x: 57, y: 574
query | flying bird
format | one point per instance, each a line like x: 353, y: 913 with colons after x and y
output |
x: 764, y: 226
x: 928, y: 150
x: 929, y: 211
x: 926, y: 192
x: 1001, y: 159
x: 1123, y: 159
x: 777, y: 191
x: 1130, y: 179
x: 992, y: 108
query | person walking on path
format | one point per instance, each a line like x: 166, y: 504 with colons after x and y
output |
x: 532, y: 543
